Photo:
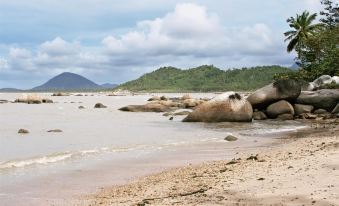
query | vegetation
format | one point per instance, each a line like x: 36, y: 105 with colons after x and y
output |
x: 316, y: 45
x: 204, y: 79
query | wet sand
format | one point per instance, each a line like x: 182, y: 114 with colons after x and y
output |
x: 303, y: 169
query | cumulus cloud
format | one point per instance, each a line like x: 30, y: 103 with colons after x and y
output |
x: 188, y: 36
x: 191, y: 30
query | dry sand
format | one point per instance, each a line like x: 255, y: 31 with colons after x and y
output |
x: 301, y: 170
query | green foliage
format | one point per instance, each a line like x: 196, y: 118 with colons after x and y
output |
x: 317, y: 52
x: 204, y: 78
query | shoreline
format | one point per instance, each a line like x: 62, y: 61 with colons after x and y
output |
x: 300, y: 169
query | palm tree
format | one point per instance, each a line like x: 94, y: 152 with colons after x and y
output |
x: 303, y: 29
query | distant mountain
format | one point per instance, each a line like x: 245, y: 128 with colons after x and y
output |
x: 68, y: 81
x: 109, y: 85
x: 204, y: 78
x: 294, y: 66
x: 8, y: 90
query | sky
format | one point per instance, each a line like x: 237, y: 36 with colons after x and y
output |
x: 118, y: 40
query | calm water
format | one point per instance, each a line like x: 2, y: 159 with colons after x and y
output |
x: 104, y: 145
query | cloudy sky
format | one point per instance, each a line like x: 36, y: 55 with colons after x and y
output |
x: 118, y: 40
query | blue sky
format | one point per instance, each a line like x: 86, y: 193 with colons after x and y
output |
x: 118, y: 40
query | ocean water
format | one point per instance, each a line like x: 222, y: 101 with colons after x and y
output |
x: 99, y: 147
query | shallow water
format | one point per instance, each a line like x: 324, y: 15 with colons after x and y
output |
x: 99, y: 147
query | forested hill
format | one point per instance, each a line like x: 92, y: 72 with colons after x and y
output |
x: 204, y: 78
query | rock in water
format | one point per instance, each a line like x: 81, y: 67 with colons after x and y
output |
x: 227, y: 107
x: 99, y: 105
x: 23, y: 131
x: 259, y: 115
x: 286, y: 89
x: 151, y: 107
x: 302, y: 108
x: 55, y: 130
x: 279, y: 108
x: 231, y: 138
x: 320, y: 99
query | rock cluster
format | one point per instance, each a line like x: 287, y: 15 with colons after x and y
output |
x: 284, y: 100
x: 32, y: 99
x: 164, y: 104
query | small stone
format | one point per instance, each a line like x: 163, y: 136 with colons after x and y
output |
x: 23, y: 131
x: 231, y: 138
x: 55, y: 130
x: 261, y: 178
x: 171, y: 118
x: 81, y: 107
x: 99, y: 105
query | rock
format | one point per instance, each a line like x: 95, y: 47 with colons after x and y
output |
x: 81, y: 107
x: 227, y: 107
x: 23, y: 131
x: 258, y: 115
x: 79, y: 95
x: 336, y: 109
x: 279, y: 90
x: 307, y: 116
x: 231, y: 138
x: 324, y: 98
x: 2, y: 101
x: 278, y: 108
x: 45, y: 100
x: 29, y: 99
x: 190, y: 103
x: 302, y: 108
x: 99, y: 105
x: 171, y: 118
x: 321, y: 111
x: 285, y: 117
x: 60, y: 94
x: 55, y: 130
x: 322, y: 80
x: 163, y: 98
x: 151, y: 107
x: 186, y: 96
x: 154, y: 98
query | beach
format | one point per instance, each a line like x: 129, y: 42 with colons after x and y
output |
x: 302, y: 169
x: 101, y: 147
x: 104, y: 156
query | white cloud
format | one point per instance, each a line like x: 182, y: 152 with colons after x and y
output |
x: 191, y: 30
x: 188, y: 36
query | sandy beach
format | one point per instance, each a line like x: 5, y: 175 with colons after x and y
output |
x: 302, y: 169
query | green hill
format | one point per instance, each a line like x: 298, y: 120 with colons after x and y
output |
x: 204, y: 79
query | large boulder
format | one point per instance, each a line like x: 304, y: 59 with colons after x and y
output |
x: 279, y: 108
x: 227, y: 107
x: 285, y: 89
x: 32, y: 99
x: 323, y: 99
x: 302, y: 108
x: 151, y: 107
x: 321, y: 81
